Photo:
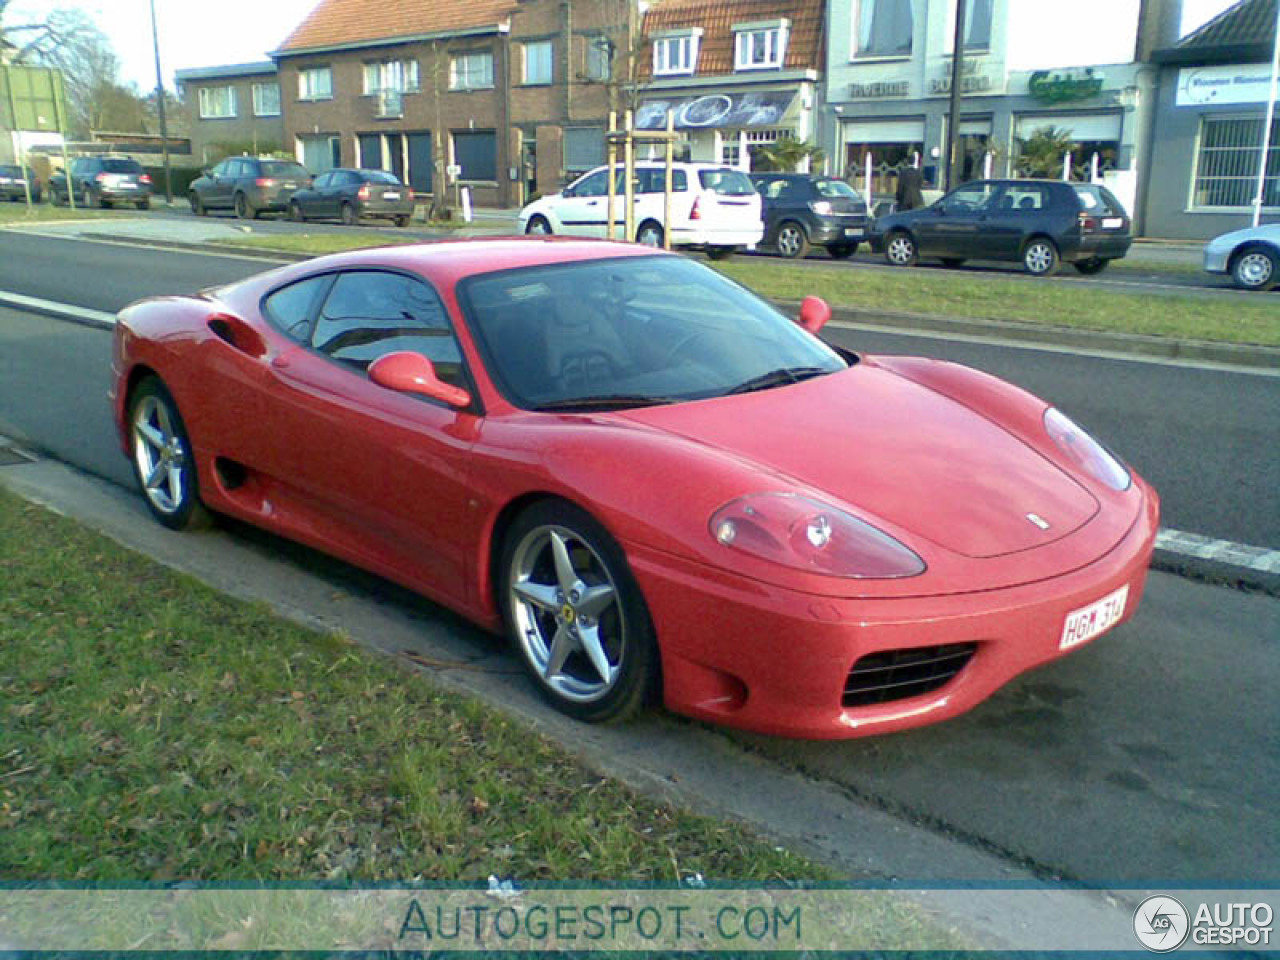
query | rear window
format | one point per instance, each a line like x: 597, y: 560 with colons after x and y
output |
x: 1098, y: 199
x: 121, y: 166
x: 276, y: 168
x: 6, y: 171
x: 727, y: 183
x: 836, y: 188
x: 379, y: 176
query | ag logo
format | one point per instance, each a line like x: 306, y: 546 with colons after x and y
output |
x: 1161, y: 924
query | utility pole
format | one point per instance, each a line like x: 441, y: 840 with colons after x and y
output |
x: 953, y: 115
x: 164, y: 126
x: 1267, y: 123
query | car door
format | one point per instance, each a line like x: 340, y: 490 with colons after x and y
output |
x: 380, y: 473
x: 583, y: 207
x: 224, y: 179
x: 1021, y: 210
x: 312, y: 200
x: 953, y: 227
x: 344, y: 187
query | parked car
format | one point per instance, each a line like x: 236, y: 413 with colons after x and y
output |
x: 652, y: 480
x: 103, y: 181
x: 351, y: 194
x: 713, y: 208
x: 1251, y: 256
x: 1039, y: 223
x: 14, y: 182
x: 803, y: 211
x: 250, y: 186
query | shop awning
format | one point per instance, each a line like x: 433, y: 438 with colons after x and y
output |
x: 735, y: 110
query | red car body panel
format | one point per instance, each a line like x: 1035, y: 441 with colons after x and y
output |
x: 945, y: 459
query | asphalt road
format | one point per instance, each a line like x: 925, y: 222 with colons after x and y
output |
x: 1205, y: 438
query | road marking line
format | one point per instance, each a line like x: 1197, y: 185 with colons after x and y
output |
x: 1261, y: 559
x: 94, y: 318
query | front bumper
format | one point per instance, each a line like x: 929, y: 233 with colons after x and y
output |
x: 746, y: 654
x: 1216, y: 258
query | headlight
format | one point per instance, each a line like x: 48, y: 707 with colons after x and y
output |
x: 1084, y: 451
x: 821, y: 207
x: 808, y: 535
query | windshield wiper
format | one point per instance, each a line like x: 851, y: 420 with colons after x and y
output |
x: 776, y: 378
x: 608, y: 401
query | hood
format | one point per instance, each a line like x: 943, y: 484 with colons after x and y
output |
x: 894, y: 451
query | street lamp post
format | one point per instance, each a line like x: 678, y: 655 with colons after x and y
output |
x: 1267, y: 123
x: 953, y: 119
x: 164, y: 126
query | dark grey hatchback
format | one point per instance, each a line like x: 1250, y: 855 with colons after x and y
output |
x: 803, y: 211
x: 248, y: 185
x: 351, y: 194
x: 1038, y: 223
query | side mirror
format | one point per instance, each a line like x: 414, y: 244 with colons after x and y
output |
x: 814, y: 314
x: 407, y: 372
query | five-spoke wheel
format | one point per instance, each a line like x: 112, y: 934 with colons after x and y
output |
x: 162, y: 459
x: 576, y: 614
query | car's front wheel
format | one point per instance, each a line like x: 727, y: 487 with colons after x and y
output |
x: 792, y: 242
x: 197, y: 205
x: 1040, y: 257
x: 576, y: 614
x: 295, y: 212
x: 162, y: 458
x: 1256, y: 268
x: 538, y: 226
x: 900, y: 249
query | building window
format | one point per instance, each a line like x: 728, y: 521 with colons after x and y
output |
x: 760, y: 46
x: 217, y: 103
x: 599, y: 59
x: 315, y: 84
x: 476, y: 152
x: 266, y: 99
x: 884, y: 28
x: 471, y: 71
x: 583, y: 149
x: 395, y: 76
x: 1227, y: 165
x: 537, y: 63
x: 676, y: 54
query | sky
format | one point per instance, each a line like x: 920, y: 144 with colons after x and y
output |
x: 194, y: 33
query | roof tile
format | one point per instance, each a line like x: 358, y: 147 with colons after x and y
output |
x: 717, y: 17
x: 341, y: 22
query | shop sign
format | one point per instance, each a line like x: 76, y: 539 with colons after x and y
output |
x: 1233, y: 84
x: 973, y: 84
x: 885, y: 88
x: 1064, y: 85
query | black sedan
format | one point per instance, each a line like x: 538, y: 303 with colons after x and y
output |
x: 348, y: 195
x: 1038, y: 223
x: 803, y: 211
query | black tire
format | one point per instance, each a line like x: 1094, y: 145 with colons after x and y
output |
x: 538, y: 227
x: 791, y: 240
x: 721, y: 253
x: 842, y: 251
x: 1092, y: 266
x: 87, y: 201
x: 402, y: 221
x: 295, y: 212
x: 1040, y: 257
x: 244, y: 209
x: 619, y: 623
x: 953, y: 263
x: 1256, y: 268
x: 143, y: 204
x: 178, y: 505
x: 197, y: 205
x: 900, y: 249
x: 348, y: 214
x: 650, y: 234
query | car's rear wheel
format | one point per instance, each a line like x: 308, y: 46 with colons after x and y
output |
x: 952, y: 263
x: 842, y: 251
x: 197, y: 205
x: 244, y: 209
x: 537, y: 226
x: 900, y: 249
x: 650, y: 234
x: 1040, y: 257
x: 295, y: 212
x: 348, y: 214
x: 576, y: 614
x: 402, y: 220
x: 162, y: 458
x: 792, y: 242
x: 1092, y: 266
x: 1256, y: 268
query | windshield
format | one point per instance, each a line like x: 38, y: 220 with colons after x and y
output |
x: 634, y: 331
x: 836, y: 188
x: 278, y: 169
x: 728, y: 183
x: 121, y: 166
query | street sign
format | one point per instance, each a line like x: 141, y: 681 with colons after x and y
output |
x: 32, y: 99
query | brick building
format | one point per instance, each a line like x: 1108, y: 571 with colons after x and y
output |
x: 232, y: 109
x: 503, y: 96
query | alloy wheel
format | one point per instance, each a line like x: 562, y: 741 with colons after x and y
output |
x: 791, y: 241
x: 1254, y: 269
x: 160, y: 455
x: 901, y: 250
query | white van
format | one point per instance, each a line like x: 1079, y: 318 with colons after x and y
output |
x: 713, y: 208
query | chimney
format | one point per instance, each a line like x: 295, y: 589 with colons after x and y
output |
x: 1159, y: 26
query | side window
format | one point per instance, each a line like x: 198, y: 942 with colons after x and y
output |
x: 596, y: 185
x: 969, y: 199
x: 369, y: 314
x: 348, y: 179
x: 1030, y: 198
x: 289, y: 309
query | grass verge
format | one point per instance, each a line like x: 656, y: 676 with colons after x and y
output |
x: 42, y: 212
x: 316, y: 244
x: 156, y: 729
x: 994, y: 297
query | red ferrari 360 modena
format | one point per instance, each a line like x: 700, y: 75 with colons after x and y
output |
x: 653, y: 481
